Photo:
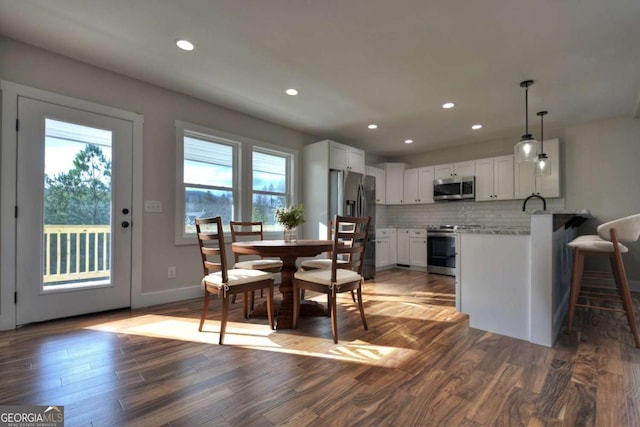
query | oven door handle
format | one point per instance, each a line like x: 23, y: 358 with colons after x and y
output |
x: 440, y: 234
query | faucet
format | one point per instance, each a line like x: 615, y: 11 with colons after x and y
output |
x: 534, y: 196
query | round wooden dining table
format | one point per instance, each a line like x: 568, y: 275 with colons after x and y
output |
x: 288, y: 252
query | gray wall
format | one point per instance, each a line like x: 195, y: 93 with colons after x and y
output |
x: 31, y: 66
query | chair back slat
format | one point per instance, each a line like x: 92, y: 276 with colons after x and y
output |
x: 211, y: 242
x: 349, y: 243
x: 245, y: 230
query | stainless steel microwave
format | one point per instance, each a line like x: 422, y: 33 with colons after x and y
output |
x: 456, y: 188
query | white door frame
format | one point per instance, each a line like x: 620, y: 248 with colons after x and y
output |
x: 8, y: 195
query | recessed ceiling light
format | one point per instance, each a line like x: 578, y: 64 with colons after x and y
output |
x: 185, y: 44
x: 448, y: 105
x: 292, y: 92
x: 474, y: 127
x: 373, y: 126
x: 408, y: 141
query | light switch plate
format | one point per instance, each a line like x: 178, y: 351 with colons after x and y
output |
x: 153, y: 206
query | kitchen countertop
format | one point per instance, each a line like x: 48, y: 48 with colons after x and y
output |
x: 497, y: 230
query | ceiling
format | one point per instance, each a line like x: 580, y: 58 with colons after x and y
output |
x: 356, y: 62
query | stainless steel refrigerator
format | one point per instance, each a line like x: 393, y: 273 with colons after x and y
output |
x: 353, y: 194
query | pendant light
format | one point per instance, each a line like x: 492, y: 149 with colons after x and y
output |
x: 527, y: 149
x: 543, y: 163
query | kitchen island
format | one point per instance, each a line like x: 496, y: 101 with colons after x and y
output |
x: 515, y: 280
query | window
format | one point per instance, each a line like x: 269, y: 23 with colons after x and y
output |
x: 270, y: 184
x: 228, y: 175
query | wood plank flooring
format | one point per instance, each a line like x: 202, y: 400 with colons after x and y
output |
x: 419, y: 364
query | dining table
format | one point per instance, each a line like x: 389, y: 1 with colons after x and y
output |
x: 288, y: 252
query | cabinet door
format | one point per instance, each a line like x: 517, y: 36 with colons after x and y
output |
x: 394, y: 177
x: 484, y: 179
x: 444, y: 171
x: 425, y: 184
x: 418, y: 252
x: 338, y: 156
x: 502, y: 178
x: 381, y: 186
x: 355, y: 160
x: 393, y: 246
x: 403, y: 246
x: 383, y: 253
x: 410, y: 187
x: 524, y: 180
x: 464, y: 169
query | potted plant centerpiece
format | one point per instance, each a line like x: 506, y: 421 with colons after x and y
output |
x: 290, y: 218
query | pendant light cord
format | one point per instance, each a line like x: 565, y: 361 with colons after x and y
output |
x: 526, y: 110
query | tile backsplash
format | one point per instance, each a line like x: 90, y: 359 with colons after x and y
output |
x: 498, y: 213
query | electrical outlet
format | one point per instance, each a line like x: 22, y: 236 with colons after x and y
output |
x: 171, y: 273
x: 154, y: 206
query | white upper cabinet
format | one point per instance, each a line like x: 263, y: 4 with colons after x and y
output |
x: 451, y: 170
x: 418, y: 185
x: 527, y: 183
x: 380, y: 183
x: 344, y: 157
x: 494, y: 178
x: 394, y: 181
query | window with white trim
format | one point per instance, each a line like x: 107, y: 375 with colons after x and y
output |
x: 237, y: 178
x: 270, y: 172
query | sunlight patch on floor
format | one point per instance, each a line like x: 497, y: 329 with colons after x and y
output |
x: 257, y: 337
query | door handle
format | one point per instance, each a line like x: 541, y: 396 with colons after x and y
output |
x: 125, y: 224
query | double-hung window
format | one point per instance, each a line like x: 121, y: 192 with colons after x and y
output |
x: 237, y: 178
x: 208, y: 177
x: 271, y: 171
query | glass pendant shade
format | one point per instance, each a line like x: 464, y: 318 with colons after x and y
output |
x: 543, y: 165
x: 526, y: 150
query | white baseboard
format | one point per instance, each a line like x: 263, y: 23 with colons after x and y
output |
x: 162, y: 297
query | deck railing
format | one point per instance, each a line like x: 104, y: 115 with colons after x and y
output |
x: 76, y: 252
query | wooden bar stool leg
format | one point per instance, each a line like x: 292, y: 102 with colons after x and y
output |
x: 576, y: 279
x: 621, y: 276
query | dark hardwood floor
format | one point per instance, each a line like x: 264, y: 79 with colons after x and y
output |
x: 419, y: 364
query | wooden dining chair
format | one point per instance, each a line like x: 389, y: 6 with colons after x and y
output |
x: 224, y: 282
x: 349, y: 240
x: 251, y: 230
x: 323, y: 263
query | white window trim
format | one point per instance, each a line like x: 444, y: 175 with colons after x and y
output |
x: 243, y: 179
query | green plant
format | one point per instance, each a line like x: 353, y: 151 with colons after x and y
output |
x: 290, y: 217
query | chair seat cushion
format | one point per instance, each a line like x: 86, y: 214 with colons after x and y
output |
x: 323, y: 277
x: 319, y: 263
x: 236, y: 277
x: 259, y: 264
x: 593, y: 243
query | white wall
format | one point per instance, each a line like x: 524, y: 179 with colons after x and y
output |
x: 31, y: 66
x: 602, y: 170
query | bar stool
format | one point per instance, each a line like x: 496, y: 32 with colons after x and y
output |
x: 605, y: 243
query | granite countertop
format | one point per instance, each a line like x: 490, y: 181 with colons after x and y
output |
x: 581, y: 212
x: 511, y: 230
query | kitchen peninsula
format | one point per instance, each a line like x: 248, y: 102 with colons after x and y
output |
x: 515, y: 281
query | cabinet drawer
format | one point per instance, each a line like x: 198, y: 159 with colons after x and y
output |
x: 418, y: 232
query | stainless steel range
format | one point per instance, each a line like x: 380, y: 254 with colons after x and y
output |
x: 441, y: 248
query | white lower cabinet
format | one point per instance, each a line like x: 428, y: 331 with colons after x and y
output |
x: 412, y: 247
x: 403, y: 246
x: 386, y: 242
x: 418, y: 247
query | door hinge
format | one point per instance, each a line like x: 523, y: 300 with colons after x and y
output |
x: 15, y: 213
x: 17, y: 124
x: 15, y: 297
